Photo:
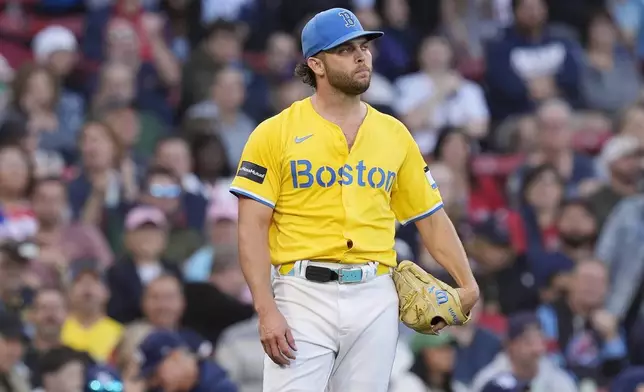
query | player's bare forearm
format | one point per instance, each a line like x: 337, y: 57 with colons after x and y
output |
x: 439, y: 237
x: 254, y: 255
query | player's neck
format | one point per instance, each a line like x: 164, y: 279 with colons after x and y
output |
x: 336, y: 105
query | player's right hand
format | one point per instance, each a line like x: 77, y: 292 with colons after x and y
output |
x: 276, y: 337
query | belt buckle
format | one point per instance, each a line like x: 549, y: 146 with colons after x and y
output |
x: 350, y: 275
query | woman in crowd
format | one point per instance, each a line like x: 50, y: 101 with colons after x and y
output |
x: 106, y: 181
x: 17, y: 220
x: 610, y: 78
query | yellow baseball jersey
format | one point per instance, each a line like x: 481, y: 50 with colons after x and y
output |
x: 331, y: 202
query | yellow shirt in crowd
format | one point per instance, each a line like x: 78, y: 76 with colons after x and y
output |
x: 98, y: 340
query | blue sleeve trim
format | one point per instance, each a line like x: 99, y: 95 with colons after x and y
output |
x: 423, y: 215
x: 240, y: 192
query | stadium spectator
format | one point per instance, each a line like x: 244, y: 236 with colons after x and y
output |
x: 56, y: 48
x: 163, y: 305
x: 554, y: 147
x: 224, y: 105
x: 61, y: 241
x: 17, y: 220
x: 620, y: 158
x: 398, y: 47
x: 210, y: 160
x: 167, y: 363
x: 183, y: 215
x: 479, y: 194
x: 221, y: 227
x: 88, y: 328
x: 435, y: 358
x: 16, y: 294
x: 620, y: 249
x: 145, y: 240
x: 582, y: 336
x: 239, y: 352
x: 36, y: 94
x: 14, y: 377
x: 527, y: 65
x: 124, y: 358
x: 221, y: 46
x: 507, y: 280
x: 609, y: 77
x: 63, y: 370
x: 104, y: 184
x: 173, y: 153
x: 578, y: 230
x: 224, y: 290
x: 524, y: 360
x: 49, y: 311
x: 476, y: 346
x: 534, y: 226
x: 438, y: 96
x: 137, y: 131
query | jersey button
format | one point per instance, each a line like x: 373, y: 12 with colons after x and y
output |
x: 349, y: 244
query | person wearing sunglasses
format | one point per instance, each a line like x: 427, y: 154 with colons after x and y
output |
x: 162, y: 189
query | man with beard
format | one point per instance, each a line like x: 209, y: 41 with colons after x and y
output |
x: 48, y: 312
x: 320, y: 187
x: 578, y: 230
x: 583, y: 337
x: 621, y: 157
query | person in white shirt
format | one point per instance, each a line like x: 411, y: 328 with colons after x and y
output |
x: 437, y: 96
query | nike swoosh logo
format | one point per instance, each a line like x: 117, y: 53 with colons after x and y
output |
x: 303, y: 138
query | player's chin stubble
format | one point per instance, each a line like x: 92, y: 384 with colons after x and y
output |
x: 347, y: 83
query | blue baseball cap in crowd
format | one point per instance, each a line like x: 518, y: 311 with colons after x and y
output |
x: 156, y: 347
x: 332, y: 28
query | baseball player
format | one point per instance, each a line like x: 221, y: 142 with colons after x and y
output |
x: 320, y: 186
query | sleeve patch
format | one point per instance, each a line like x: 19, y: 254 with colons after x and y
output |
x: 252, y: 171
x: 428, y: 174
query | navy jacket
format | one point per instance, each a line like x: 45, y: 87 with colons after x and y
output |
x: 126, y: 290
x: 513, y: 59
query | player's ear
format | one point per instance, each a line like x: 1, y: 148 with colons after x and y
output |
x: 316, y: 65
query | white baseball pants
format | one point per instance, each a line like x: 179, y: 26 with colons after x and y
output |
x: 345, y: 334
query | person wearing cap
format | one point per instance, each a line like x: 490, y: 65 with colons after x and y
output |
x: 321, y: 186
x: 145, y: 240
x: 620, y: 159
x: 221, y: 220
x: 88, y: 328
x: 523, y: 362
x: 13, y: 376
x: 167, y: 364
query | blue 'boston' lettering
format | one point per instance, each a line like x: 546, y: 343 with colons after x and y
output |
x: 304, y: 176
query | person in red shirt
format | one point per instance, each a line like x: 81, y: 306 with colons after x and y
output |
x: 481, y: 195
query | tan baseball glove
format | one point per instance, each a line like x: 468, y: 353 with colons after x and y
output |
x: 425, y: 300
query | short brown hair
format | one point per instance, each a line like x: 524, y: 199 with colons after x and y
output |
x: 306, y: 74
x: 119, y: 148
x: 21, y: 81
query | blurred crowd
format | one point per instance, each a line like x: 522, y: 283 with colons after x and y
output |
x: 122, y: 122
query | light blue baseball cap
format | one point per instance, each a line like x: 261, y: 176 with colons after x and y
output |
x: 332, y: 28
